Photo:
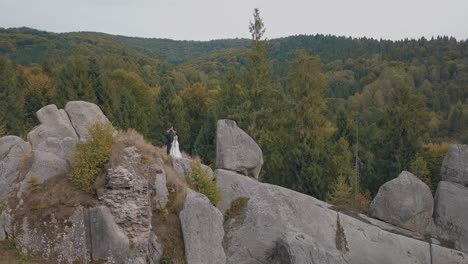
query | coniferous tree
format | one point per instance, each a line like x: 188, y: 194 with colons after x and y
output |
x: 311, y: 129
x: 205, y: 144
x: 11, y: 99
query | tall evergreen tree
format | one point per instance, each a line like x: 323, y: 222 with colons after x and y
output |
x: 311, y: 129
x: 11, y: 99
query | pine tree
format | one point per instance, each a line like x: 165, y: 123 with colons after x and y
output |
x: 311, y: 129
x: 11, y: 99
x: 205, y: 144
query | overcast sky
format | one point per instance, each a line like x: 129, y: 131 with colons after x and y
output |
x: 215, y: 19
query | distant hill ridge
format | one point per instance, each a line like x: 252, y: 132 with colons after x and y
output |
x: 328, y: 47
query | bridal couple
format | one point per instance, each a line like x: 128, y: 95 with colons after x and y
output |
x: 172, y: 145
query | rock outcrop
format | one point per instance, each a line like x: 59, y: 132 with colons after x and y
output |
x: 203, y: 237
x: 254, y: 222
x: 237, y: 151
x: 272, y: 214
x: 455, y: 165
x: 127, y: 196
x: 405, y: 201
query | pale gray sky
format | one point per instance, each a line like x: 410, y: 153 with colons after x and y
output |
x: 215, y: 19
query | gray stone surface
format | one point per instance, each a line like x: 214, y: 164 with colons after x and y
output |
x: 183, y: 167
x: 6, y: 224
x: 45, y: 165
x: 274, y: 214
x: 63, y: 148
x: 455, y: 165
x: 442, y: 255
x: 237, y: 151
x: 14, y: 152
x: 299, y: 248
x: 64, y: 242
x: 155, y: 251
x: 451, y: 213
x: 54, y: 124
x: 202, y: 228
x: 128, y: 198
x: 84, y: 114
x: 108, y: 240
x: 405, y: 201
x: 365, y: 243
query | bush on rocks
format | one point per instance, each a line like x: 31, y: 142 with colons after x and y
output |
x: 91, y: 156
x: 200, y: 181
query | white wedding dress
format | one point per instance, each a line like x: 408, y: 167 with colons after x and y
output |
x: 175, y: 151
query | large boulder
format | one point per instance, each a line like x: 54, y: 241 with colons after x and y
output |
x: 303, y: 225
x: 405, y: 201
x: 237, y: 151
x: 202, y: 228
x: 451, y: 213
x: 54, y: 124
x: 84, y: 114
x: 108, y: 241
x: 183, y: 167
x: 455, y: 165
x: 45, y: 165
x: 14, y: 153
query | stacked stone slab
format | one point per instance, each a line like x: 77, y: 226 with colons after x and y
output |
x: 451, y: 198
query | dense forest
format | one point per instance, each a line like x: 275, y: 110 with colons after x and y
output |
x: 324, y: 109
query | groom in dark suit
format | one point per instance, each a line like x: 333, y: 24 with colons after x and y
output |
x: 168, y: 140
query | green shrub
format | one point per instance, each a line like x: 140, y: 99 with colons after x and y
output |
x: 91, y: 156
x: 201, y: 182
x: 34, y: 184
x: 165, y: 260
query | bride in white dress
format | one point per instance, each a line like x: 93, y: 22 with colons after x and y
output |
x: 175, y: 151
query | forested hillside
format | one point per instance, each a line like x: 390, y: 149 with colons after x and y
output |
x: 311, y: 102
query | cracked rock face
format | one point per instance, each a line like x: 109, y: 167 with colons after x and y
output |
x: 127, y: 196
x: 82, y: 115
